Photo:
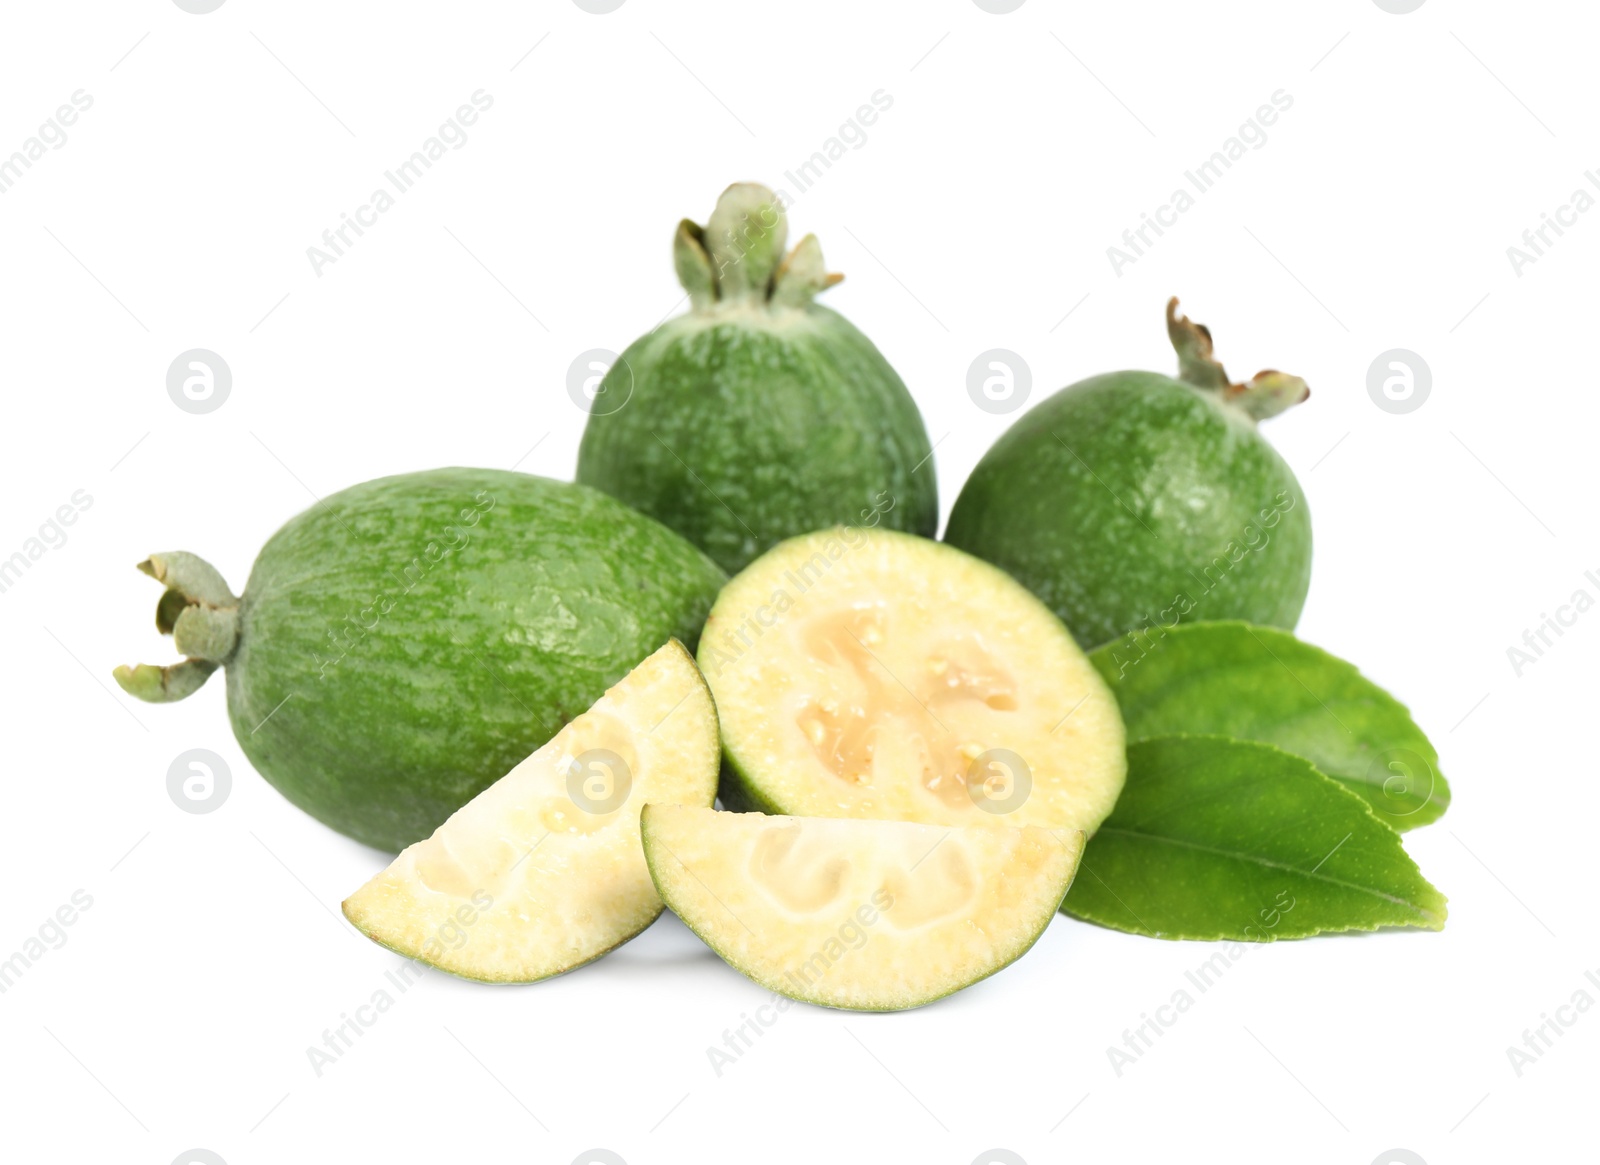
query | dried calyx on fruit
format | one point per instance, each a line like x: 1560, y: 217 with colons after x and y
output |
x: 1266, y: 394
x: 200, y: 613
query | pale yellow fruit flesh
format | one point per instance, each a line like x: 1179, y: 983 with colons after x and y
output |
x: 866, y: 673
x: 543, y: 870
x: 857, y: 914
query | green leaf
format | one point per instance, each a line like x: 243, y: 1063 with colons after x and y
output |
x: 1260, y: 683
x: 1215, y: 838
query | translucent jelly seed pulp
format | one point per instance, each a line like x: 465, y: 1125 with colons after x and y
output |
x: 935, y: 721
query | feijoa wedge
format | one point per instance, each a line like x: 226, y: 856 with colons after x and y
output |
x: 861, y: 915
x: 543, y: 870
x: 869, y: 673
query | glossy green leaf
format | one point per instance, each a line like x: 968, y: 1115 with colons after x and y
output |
x: 1260, y: 683
x: 1229, y: 839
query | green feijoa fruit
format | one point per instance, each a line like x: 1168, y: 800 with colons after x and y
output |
x: 1259, y: 683
x: 758, y: 415
x: 1215, y: 838
x: 403, y: 643
x: 1134, y: 499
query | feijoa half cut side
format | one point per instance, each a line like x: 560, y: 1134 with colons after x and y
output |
x: 857, y: 914
x: 543, y: 871
x: 870, y: 673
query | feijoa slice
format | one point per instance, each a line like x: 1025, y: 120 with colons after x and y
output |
x: 862, y: 915
x: 870, y: 673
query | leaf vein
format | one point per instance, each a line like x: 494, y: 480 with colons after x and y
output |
x: 1271, y: 864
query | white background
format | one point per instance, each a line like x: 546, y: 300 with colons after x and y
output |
x: 976, y: 215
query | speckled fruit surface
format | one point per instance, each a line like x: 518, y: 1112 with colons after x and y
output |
x: 758, y: 415
x: 1133, y: 499
x: 403, y: 643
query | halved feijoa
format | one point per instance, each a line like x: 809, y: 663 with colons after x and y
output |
x: 868, y: 673
x: 863, y: 915
x: 542, y: 871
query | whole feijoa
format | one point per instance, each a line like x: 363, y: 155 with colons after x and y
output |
x: 1133, y: 499
x: 404, y: 643
x: 758, y: 415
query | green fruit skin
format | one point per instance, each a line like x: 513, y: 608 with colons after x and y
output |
x: 408, y: 641
x: 1131, y: 500
x: 745, y: 425
x: 738, y: 794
